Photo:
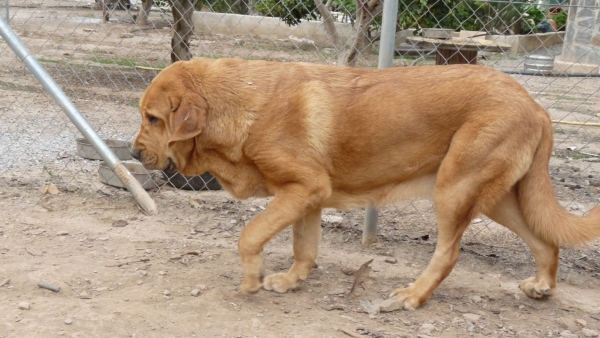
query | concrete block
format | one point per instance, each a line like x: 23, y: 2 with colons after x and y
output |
x: 575, y: 67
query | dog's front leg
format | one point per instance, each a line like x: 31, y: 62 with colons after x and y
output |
x: 307, y: 236
x: 292, y: 204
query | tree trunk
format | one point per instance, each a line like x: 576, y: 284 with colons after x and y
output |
x: 328, y: 22
x: 366, y: 12
x: 251, y: 9
x: 142, y: 18
x: 184, y: 28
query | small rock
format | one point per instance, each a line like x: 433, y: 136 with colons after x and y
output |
x: 337, y: 292
x: 589, y: 333
x: 68, y: 321
x: 389, y: 305
x: 568, y: 334
x: 119, y: 223
x: 580, y: 322
x: 380, y: 305
x: 167, y: 293
x: 369, y: 307
x: 195, y: 292
x: 348, y: 270
x: 23, y: 306
x: 476, y: 299
x: 426, y: 328
x: 49, y: 189
x: 233, y: 221
x: 52, y: 189
x: 85, y: 295
x: 140, y: 282
x: 5, y: 282
x: 126, y: 36
x: 317, y: 283
x: 391, y: 260
x: 471, y: 317
x: 332, y: 218
x: 594, y: 183
x: 62, y: 233
x: 162, y: 273
x: 202, y: 287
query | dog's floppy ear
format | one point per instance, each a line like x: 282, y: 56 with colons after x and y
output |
x: 188, y: 119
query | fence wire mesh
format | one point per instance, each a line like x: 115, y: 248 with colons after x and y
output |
x: 105, y: 53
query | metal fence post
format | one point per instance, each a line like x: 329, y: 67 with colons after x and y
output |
x: 7, y: 2
x: 388, y: 33
x: 76, y: 117
x: 386, y: 56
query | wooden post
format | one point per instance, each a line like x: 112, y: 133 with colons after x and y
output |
x: 453, y: 56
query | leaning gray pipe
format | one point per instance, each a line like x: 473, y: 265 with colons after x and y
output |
x: 77, y: 118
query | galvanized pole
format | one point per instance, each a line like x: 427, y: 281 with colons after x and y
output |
x: 388, y: 33
x: 79, y: 120
x: 386, y: 56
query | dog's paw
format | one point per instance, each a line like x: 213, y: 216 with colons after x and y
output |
x: 408, y: 298
x: 536, y: 288
x: 250, y: 286
x: 281, y: 283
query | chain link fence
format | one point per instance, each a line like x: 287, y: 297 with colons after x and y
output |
x: 105, y: 53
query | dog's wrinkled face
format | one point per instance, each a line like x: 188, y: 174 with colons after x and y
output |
x: 173, y: 114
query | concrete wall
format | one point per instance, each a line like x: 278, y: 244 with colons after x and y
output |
x: 582, y: 41
x: 530, y: 42
x: 265, y: 27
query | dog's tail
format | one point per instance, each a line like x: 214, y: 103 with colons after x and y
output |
x: 542, y: 212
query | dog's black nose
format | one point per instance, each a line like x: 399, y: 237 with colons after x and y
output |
x: 135, y: 154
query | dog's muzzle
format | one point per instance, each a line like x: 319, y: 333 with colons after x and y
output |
x: 135, y: 154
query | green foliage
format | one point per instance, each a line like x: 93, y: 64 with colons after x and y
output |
x: 561, y: 19
x: 347, y: 7
x: 222, y: 6
x: 449, y: 14
x: 292, y: 12
x: 495, y: 17
x: 531, y: 17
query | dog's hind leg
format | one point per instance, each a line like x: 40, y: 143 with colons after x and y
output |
x: 480, y: 167
x: 307, y: 236
x: 453, y: 219
x: 508, y: 213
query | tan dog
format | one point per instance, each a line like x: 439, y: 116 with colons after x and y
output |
x: 316, y: 136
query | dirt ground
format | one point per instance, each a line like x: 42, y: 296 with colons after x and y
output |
x: 124, y: 274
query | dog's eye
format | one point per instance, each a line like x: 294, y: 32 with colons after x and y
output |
x: 152, y: 119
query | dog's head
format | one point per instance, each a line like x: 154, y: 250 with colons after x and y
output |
x: 173, y: 115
